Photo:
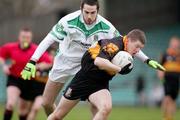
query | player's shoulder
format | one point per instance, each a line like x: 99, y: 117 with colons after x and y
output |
x: 105, y: 21
x: 34, y: 46
x: 70, y: 16
x: 11, y: 44
x: 118, y: 38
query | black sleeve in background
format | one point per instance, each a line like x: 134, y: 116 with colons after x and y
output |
x: 163, y: 58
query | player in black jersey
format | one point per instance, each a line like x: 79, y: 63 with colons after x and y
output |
x: 171, y: 61
x: 92, y: 81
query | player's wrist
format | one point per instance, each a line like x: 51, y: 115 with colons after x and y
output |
x: 32, y: 62
x: 148, y: 60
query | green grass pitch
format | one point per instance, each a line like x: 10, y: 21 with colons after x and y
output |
x: 81, y: 112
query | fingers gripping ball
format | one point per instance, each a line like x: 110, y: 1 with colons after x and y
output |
x: 124, y: 60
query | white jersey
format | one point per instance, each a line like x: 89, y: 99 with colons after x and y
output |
x: 76, y: 37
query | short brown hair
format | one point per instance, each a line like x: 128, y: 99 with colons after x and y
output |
x: 25, y: 29
x: 137, y: 34
x: 90, y: 2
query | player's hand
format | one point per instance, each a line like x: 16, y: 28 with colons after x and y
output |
x: 29, y: 70
x: 154, y: 64
x: 126, y: 69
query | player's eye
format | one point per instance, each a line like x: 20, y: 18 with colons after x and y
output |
x: 93, y: 12
x: 86, y: 12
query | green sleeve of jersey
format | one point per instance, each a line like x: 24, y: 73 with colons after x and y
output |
x: 116, y: 33
x: 58, y: 31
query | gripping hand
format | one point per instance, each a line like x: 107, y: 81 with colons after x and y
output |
x: 154, y: 64
x: 126, y: 69
x: 29, y: 70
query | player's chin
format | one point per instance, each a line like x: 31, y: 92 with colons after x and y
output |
x: 133, y: 54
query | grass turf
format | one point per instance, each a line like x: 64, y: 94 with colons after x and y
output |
x: 118, y: 113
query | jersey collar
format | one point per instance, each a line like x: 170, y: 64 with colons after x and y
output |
x: 24, y: 48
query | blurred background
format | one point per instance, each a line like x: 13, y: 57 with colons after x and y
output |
x: 160, y: 19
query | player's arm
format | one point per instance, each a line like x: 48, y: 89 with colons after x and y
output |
x: 2, y: 61
x: 30, y: 68
x: 45, y: 62
x: 105, y: 64
x: 4, y: 66
x: 58, y: 33
x: 42, y: 47
x: 4, y: 54
x: 43, y: 66
x: 150, y: 62
x: 161, y: 74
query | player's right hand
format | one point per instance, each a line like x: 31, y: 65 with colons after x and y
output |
x: 126, y: 69
x: 29, y: 70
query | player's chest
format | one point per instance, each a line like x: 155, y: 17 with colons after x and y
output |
x: 20, y: 56
x: 171, y: 58
x: 86, y: 36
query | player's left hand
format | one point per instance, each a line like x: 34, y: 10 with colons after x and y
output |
x: 154, y: 64
x: 29, y: 71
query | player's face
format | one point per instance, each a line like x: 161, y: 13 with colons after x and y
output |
x: 175, y: 43
x: 25, y: 38
x: 134, y: 46
x: 89, y: 13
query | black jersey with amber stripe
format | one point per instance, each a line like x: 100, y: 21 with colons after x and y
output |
x: 106, y: 49
x: 171, y: 61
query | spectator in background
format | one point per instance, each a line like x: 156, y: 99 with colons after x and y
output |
x: 140, y: 85
x: 19, y: 54
x: 171, y: 61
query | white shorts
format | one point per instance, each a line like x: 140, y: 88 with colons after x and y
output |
x: 63, y: 68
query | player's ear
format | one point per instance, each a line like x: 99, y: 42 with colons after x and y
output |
x: 127, y: 41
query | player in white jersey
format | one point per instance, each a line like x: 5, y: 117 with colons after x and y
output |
x: 75, y: 33
x: 75, y: 36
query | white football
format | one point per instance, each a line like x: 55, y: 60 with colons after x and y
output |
x: 122, y: 58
